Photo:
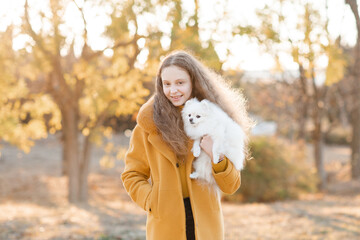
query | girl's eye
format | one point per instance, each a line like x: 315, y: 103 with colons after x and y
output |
x: 197, y: 116
x: 180, y: 83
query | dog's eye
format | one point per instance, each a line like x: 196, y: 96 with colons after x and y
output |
x: 197, y: 116
x: 189, y: 115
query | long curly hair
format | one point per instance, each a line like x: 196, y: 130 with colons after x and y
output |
x: 205, y: 85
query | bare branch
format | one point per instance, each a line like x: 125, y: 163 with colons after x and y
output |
x: 84, y: 20
x: 33, y: 35
x: 85, y: 35
x: 116, y: 45
x: 101, y: 118
x: 56, y: 77
x: 53, y: 90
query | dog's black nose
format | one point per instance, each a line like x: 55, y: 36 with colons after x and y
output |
x: 191, y: 120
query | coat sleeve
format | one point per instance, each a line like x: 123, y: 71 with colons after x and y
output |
x: 228, y: 180
x: 137, y: 171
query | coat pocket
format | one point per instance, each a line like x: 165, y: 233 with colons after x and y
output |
x: 154, y: 200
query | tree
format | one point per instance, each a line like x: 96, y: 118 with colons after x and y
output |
x: 355, y: 93
x: 84, y: 89
x: 305, y: 48
x: 188, y: 37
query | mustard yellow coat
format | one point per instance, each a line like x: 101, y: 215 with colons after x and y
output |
x: 149, y: 156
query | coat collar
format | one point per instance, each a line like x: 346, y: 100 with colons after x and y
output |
x: 145, y: 117
x: 145, y: 120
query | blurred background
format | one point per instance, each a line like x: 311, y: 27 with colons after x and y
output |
x: 73, y: 74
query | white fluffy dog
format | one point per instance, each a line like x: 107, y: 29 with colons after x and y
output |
x: 206, y: 118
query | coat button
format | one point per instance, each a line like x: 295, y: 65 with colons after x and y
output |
x: 177, y: 165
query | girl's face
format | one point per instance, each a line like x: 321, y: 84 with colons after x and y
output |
x: 176, y: 85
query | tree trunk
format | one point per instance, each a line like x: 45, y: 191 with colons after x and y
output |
x: 318, y: 134
x: 303, y: 105
x: 355, y: 144
x: 355, y: 113
x: 319, y: 157
x: 355, y: 116
x: 84, y: 170
x: 64, y: 162
x: 71, y: 151
x: 77, y: 162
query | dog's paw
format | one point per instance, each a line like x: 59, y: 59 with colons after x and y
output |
x: 194, y: 175
x: 238, y: 165
x: 196, y: 151
x: 216, y: 158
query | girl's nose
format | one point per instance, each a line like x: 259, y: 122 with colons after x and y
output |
x: 173, y: 90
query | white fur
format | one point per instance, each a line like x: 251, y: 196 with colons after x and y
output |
x: 206, y: 118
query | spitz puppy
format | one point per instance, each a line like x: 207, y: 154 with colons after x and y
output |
x: 206, y: 118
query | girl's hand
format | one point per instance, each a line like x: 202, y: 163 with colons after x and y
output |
x: 206, y: 143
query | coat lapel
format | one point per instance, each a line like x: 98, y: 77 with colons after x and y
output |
x: 160, y: 145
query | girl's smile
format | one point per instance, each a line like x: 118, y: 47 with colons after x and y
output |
x: 177, y: 85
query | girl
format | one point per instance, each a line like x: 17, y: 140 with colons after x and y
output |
x: 178, y: 207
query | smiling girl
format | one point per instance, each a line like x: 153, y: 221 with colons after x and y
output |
x: 177, y: 206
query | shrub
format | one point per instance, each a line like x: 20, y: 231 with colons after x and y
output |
x: 277, y: 171
x: 338, y: 136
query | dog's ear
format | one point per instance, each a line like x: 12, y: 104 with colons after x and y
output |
x: 192, y: 100
x: 195, y: 100
x: 188, y: 102
x: 205, y: 104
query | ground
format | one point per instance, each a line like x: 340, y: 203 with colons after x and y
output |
x: 33, y: 203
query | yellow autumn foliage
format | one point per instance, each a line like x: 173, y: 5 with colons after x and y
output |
x: 336, y: 68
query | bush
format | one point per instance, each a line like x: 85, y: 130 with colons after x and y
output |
x: 338, y: 136
x: 277, y: 171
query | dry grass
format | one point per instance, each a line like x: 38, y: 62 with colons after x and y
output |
x: 33, y: 204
